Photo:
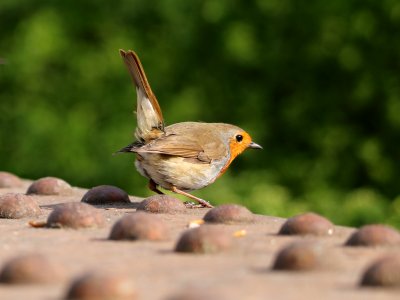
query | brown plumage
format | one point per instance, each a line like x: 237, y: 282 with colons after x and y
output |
x: 184, y: 156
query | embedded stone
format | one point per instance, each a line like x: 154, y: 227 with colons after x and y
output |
x: 106, y: 194
x: 307, y: 224
x: 8, y: 180
x: 229, y: 214
x: 374, y: 235
x: 139, y: 226
x: 299, y: 256
x: 162, y: 204
x: 385, y: 272
x: 205, y: 239
x: 17, y: 206
x: 49, y: 186
x: 102, y: 286
x: 30, y: 269
x: 75, y: 215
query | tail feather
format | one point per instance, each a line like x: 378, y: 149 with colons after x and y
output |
x: 149, y: 115
x: 130, y: 148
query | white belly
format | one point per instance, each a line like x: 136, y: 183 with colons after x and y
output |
x: 185, y: 174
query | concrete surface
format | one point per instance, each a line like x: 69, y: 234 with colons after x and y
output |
x: 243, y: 273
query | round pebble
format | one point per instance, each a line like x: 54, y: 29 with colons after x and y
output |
x: 101, y: 286
x: 384, y: 272
x: 299, y: 256
x: 49, y: 186
x: 8, y: 180
x: 75, y: 215
x: 30, y: 269
x: 307, y: 224
x: 139, y: 226
x: 106, y: 194
x: 204, y: 239
x: 229, y: 214
x: 374, y: 235
x: 162, y: 204
x: 16, y: 206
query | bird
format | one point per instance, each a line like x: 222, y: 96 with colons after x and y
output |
x: 181, y: 157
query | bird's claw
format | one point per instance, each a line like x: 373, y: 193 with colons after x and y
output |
x: 192, y: 205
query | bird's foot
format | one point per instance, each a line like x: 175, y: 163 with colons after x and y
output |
x: 202, y: 203
x: 192, y: 205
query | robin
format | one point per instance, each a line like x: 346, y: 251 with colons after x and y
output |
x: 184, y: 156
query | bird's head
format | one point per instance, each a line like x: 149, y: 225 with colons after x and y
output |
x: 240, y: 141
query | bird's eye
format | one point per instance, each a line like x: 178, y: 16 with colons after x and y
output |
x: 239, y: 138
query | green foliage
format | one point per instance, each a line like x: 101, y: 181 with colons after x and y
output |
x: 316, y: 83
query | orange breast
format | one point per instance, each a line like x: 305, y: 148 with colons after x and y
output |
x: 235, y: 150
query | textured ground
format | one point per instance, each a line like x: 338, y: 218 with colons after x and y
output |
x: 242, y: 273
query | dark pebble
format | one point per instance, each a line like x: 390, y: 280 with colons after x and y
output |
x: 106, y: 194
x: 75, y: 215
x: 30, y: 269
x: 204, y: 239
x: 162, y: 204
x: 307, y: 224
x: 49, y: 186
x: 101, y: 286
x: 16, y: 206
x: 374, y: 235
x: 139, y: 226
x: 384, y: 272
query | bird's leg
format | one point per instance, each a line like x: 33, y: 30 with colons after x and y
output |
x: 202, y: 202
x: 153, y: 187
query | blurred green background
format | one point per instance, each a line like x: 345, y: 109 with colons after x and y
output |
x: 317, y: 83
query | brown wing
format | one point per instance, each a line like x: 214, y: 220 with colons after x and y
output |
x: 175, y: 145
x: 207, y: 135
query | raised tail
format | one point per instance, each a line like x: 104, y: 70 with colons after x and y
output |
x: 150, y: 122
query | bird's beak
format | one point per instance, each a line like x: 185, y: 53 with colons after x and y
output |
x: 253, y: 145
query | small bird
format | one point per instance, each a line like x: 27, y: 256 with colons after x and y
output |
x: 184, y: 156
